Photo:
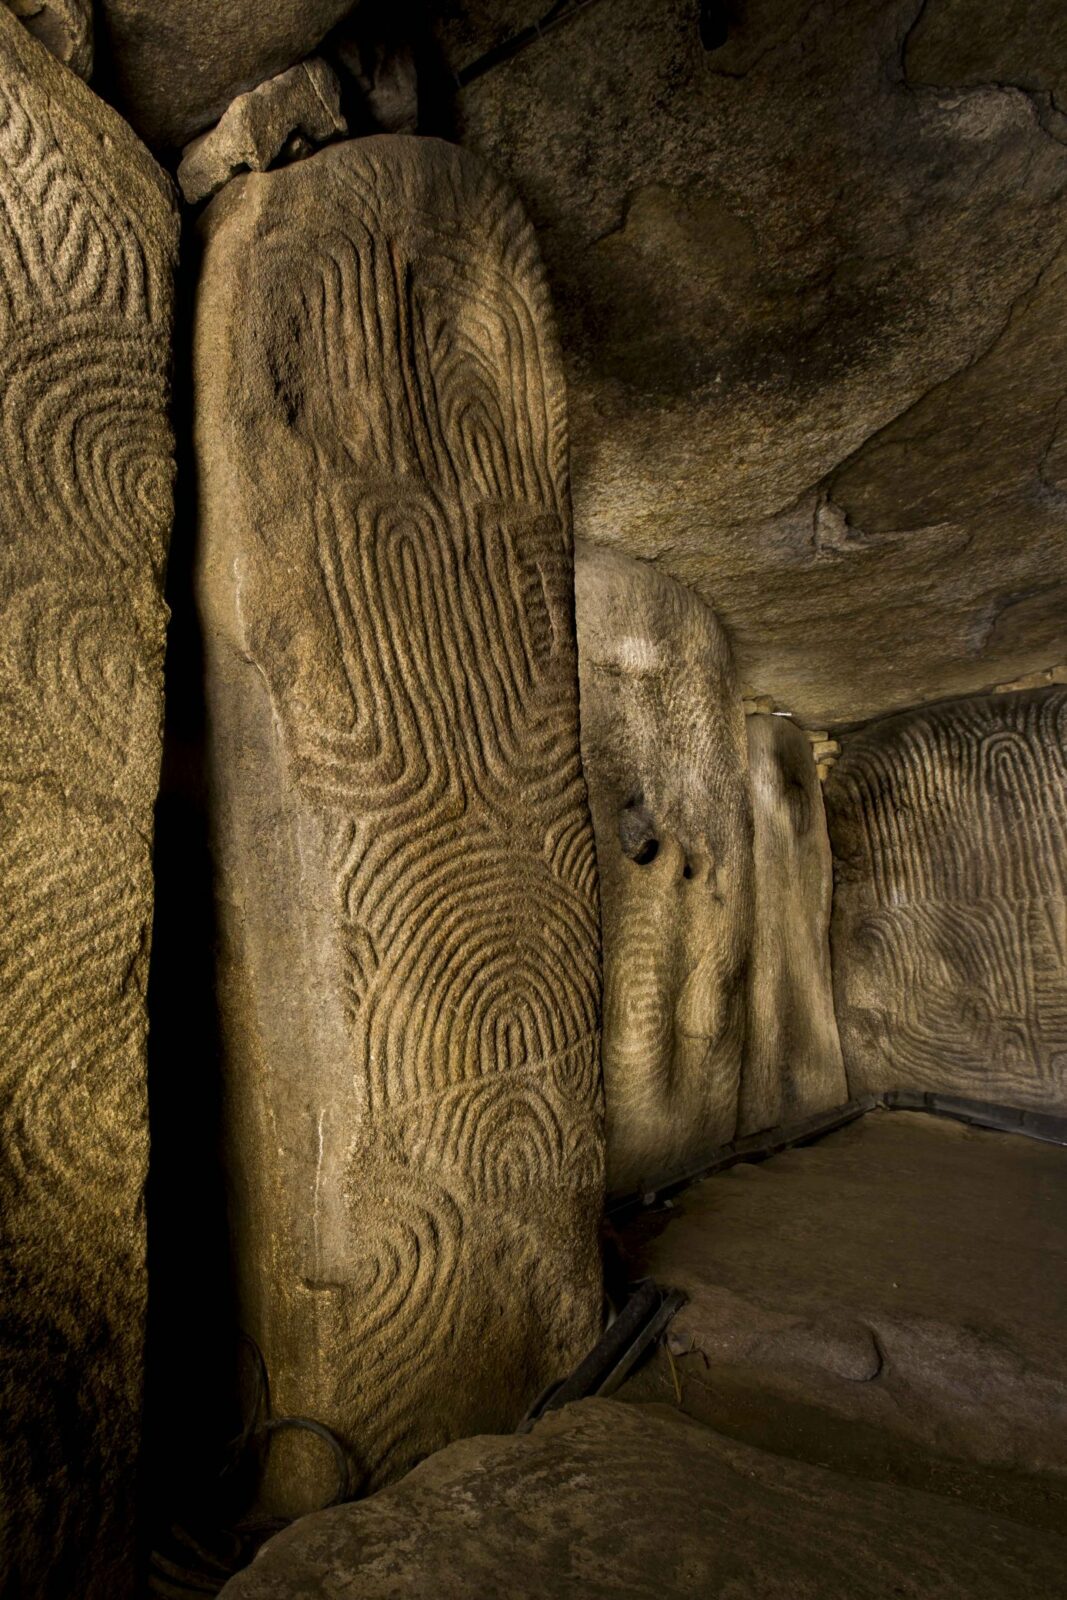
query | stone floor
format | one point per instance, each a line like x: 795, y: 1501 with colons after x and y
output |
x: 864, y: 1398
x: 606, y: 1500
x: 890, y: 1302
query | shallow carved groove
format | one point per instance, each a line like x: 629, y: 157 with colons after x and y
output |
x: 793, y: 1064
x: 949, y: 829
x: 663, y: 744
x: 407, y: 882
x: 87, y: 248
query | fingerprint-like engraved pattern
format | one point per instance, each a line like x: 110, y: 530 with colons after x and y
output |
x: 409, y: 609
x: 70, y: 239
x: 949, y: 829
x: 663, y: 744
x: 86, y: 258
x: 512, y: 1130
x: 406, y: 1279
x: 81, y: 399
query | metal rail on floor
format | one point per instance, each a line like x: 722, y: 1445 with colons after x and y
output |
x: 1044, y: 1125
x: 638, y: 1326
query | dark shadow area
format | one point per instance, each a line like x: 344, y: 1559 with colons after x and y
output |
x: 382, y: 44
x: 191, y: 1409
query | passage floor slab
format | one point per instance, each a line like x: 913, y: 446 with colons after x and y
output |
x: 890, y: 1301
x: 605, y: 1499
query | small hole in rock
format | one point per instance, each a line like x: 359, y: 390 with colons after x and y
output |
x: 648, y: 852
x: 687, y: 871
x: 714, y: 24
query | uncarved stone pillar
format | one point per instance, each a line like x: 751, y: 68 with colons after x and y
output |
x: 793, y: 1064
x: 88, y: 239
x: 949, y: 934
x: 409, y: 966
x: 663, y: 745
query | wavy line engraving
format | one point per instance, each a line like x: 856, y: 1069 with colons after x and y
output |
x: 949, y: 828
x: 87, y: 247
x: 411, y: 620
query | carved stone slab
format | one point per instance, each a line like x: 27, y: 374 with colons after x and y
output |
x: 949, y: 934
x: 406, y: 874
x: 793, y: 1064
x: 663, y: 745
x: 605, y: 1499
x: 88, y: 240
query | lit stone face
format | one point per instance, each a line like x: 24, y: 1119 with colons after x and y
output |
x: 407, y: 883
x: 663, y: 745
x: 949, y: 935
x: 88, y: 239
x: 793, y: 1064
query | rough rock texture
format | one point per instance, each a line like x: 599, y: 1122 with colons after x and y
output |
x: 175, y: 65
x: 664, y: 752
x: 813, y: 296
x: 604, y: 1499
x: 407, y: 881
x: 87, y: 248
x: 949, y: 935
x: 304, y: 102
x: 65, y: 27
x: 1035, y: 680
x: 793, y: 1064
x: 962, y: 42
x: 889, y: 1301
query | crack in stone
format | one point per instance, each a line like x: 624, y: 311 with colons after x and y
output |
x: 1042, y: 102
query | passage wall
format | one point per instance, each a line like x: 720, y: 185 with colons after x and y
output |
x: 949, y: 934
x: 87, y: 245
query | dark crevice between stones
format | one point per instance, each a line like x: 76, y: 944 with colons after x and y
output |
x: 191, y: 1406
